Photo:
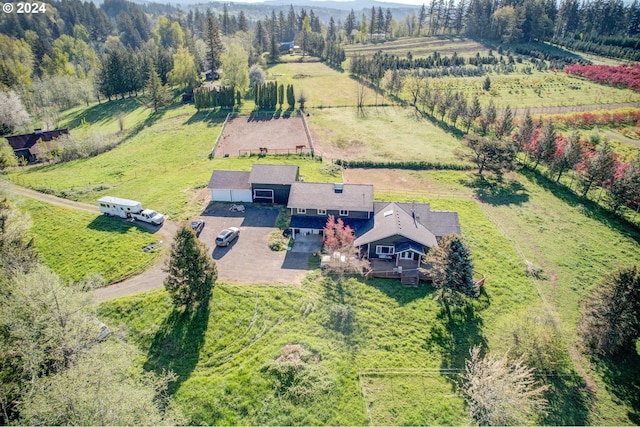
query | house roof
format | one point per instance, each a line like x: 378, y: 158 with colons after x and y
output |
x: 315, y: 195
x: 273, y: 174
x: 234, y: 180
x: 391, y: 220
x: 28, y: 140
x: 442, y: 223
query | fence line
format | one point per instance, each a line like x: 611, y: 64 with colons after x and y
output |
x: 271, y: 151
x: 306, y: 130
x: 212, y: 153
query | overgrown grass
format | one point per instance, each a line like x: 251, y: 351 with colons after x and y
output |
x: 383, y: 134
x: 75, y: 244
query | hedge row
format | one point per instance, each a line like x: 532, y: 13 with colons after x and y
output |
x: 410, y: 165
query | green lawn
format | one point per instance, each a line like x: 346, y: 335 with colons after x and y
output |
x: 383, y: 133
x: 75, y: 244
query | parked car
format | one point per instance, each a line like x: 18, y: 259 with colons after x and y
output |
x: 197, y: 225
x: 227, y: 235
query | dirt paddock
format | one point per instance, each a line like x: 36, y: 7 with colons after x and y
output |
x: 277, y: 135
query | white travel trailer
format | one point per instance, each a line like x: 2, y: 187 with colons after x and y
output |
x: 125, y: 208
x: 116, y: 206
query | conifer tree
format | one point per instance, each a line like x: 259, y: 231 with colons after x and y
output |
x: 191, y: 271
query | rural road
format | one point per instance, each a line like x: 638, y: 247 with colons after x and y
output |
x: 146, y: 281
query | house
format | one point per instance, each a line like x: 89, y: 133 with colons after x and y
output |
x: 26, y: 146
x: 311, y: 203
x: 210, y: 75
x: 264, y: 184
x: 400, y: 235
x: 394, y: 236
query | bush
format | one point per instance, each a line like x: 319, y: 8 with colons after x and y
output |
x: 298, y: 375
x: 332, y: 169
x: 277, y: 242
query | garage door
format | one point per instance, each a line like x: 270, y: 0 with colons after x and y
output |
x: 241, y: 196
x: 225, y: 195
x: 263, y: 195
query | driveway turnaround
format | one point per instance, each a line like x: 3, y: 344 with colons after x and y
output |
x: 248, y: 258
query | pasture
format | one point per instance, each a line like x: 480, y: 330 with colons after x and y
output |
x: 381, y: 134
x: 322, y: 86
x: 76, y: 244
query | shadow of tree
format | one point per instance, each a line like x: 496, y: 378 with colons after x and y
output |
x: 210, y: 117
x: 622, y: 376
x: 496, y: 192
x: 177, y: 344
x: 569, y: 401
x: 458, y: 333
x: 588, y: 207
x: 104, y: 111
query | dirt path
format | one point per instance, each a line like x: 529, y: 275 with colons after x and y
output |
x: 148, y: 280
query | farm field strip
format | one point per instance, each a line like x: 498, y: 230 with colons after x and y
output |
x: 423, y: 44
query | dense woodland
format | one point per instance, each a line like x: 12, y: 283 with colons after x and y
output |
x: 77, y: 52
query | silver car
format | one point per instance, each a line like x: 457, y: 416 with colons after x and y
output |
x: 227, y: 235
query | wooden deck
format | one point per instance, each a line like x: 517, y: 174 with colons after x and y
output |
x: 408, y: 273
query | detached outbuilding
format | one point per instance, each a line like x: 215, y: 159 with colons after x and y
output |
x: 264, y: 184
x: 26, y: 146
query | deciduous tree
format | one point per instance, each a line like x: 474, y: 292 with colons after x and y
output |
x: 488, y: 154
x: 184, y: 73
x: 235, y: 68
x: 191, y: 271
x: 501, y: 392
x: 13, y: 115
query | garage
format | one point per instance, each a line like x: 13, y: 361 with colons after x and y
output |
x: 230, y: 186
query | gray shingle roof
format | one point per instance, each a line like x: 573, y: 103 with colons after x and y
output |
x: 315, y: 195
x: 414, y: 221
x: 273, y: 174
x: 234, y: 180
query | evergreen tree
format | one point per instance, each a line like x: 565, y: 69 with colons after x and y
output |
x: 505, y: 127
x: 156, y: 93
x: 350, y: 24
x: 525, y: 132
x: 569, y: 156
x: 610, y: 322
x: 191, y: 271
x: 214, y: 44
x: 242, y: 22
x: 274, y: 49
x: 598, y: 167
x: 473, y: 112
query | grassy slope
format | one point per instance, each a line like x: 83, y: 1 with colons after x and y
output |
x: 161, y: 164
x: 368, y: 137
x: 75, y: 244
x: 220, y: 355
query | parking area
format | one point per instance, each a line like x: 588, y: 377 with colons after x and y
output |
x: 248, y: 258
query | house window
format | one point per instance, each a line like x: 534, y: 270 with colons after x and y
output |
x: 322, y: 211
x: 302, y: 211
x: 384, y: 250
x: 344, y: 212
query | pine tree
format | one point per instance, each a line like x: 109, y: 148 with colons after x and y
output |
x: 191, y: 271
x: 506, y: 123
x: 274, y: 50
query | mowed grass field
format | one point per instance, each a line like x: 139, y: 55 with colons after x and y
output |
x: 381, y: 134
x: 77, y: 244
x: 421, y: 46
x: 223, y: 356
x: 322, y: 85
x: 163, y: 165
